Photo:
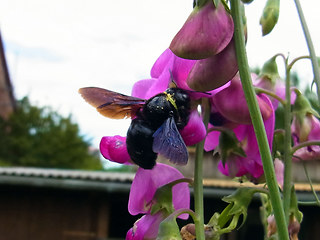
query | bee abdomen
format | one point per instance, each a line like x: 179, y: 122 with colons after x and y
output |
x: 139, y: 143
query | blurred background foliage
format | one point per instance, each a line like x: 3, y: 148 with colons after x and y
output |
x: 40, y: 137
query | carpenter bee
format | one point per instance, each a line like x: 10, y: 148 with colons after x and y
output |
x: 155, y: 124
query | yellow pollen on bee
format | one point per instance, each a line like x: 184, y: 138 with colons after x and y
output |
x: 169, y: 98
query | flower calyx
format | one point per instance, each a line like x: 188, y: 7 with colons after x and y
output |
x: 229, y: 145
x: 162, y: 199
x: 269, y: 72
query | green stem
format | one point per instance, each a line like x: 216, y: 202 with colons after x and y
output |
x: 198, y: 177
x: 269, y: 93
x: 310, y: 182
x: 224, y: 216
x: 257, y: 121
x: 263, y: 215
x: 314, y: 203
x: 287, y: 184
x: 298, y: 59
x: 312, y: 53
x: 194, y: 216
x: 305, y: 144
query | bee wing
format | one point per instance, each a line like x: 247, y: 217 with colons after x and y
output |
x: 168, y: 142
x: 112, y: 104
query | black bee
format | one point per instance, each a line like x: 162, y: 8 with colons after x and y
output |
x: 155, y: 125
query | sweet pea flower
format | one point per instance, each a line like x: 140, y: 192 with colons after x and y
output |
x: 269, y: 79
x: 169, y: 67
x: 307, y: 130
x: 250, y: 164
x: 305, y: 127
x: 141, y: 199
x: 207, y: 31
x: 231, y: 103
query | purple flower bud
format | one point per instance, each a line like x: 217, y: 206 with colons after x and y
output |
x: 215, y: 71
x: 207, y: 31
x: 194, y: 131
x: 114, y: 149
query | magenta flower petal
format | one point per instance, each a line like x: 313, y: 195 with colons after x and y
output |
x: 233, y: 167
x: 148, y: 88
x: 211, y: 73
x: 251, y: 164
x: 231, y: 103
x: 207, y: 31
x: 163, y: 63
x: 145, y: 184
x: 212, y: 140
x: 139, y: 88
x: 145, y: 228
x: 194, y: 131
x: 114, y: 149
x: 279, y: 170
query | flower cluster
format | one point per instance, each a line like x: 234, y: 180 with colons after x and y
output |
x: 207, y: 38
x: 201, y: 62
x: 229, y: 112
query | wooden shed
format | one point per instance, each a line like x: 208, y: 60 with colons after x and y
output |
x: 52, y: 204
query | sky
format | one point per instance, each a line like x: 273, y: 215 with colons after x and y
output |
x: 53, y: 48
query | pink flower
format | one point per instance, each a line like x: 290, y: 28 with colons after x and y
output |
x: 169, y: 67
x: 231, y: 103
x: 207, y: 31
x: 141, y: 199
x: 306, y: 130
x: 194, y: 131
x: 235, y: 164
x: 145, y: 227
x: 115, y: 149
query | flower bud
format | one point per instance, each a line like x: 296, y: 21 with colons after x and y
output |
x: 304, y: 121
x: 207, y: 31
x: 114, y: 149
x: 214, y: 72
x: 269, y: 16
x: 269, y: 73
